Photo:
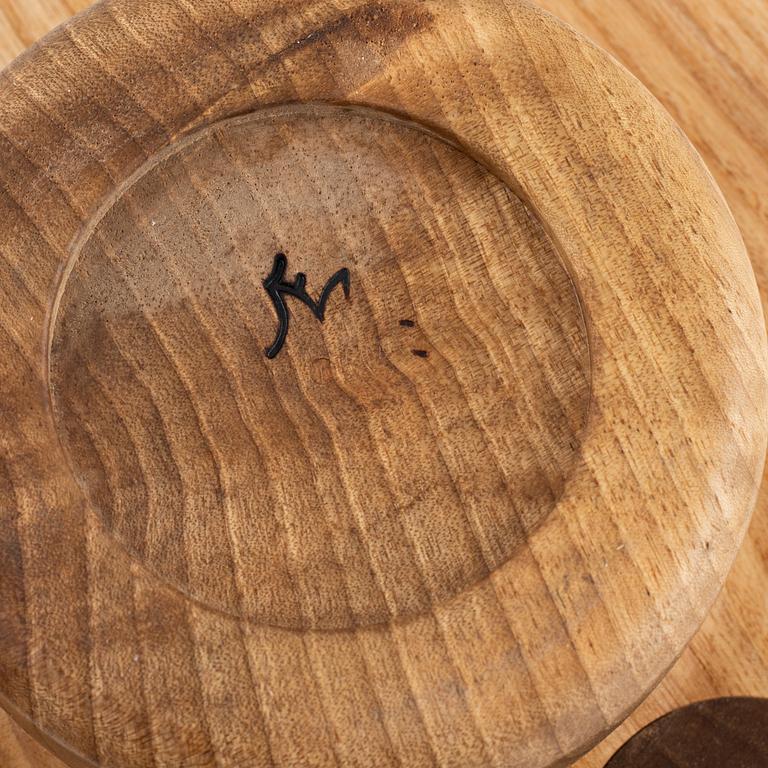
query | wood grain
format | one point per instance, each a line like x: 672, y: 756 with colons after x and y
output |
x: 234, y: 193
x: 17, y: 750
x: 708, y: 63
x: 191, y: 705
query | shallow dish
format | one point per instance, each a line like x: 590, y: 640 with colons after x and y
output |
x: 383, y: 385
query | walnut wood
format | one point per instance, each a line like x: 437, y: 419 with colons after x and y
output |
x: 711, y: 734
x: 550, y: 711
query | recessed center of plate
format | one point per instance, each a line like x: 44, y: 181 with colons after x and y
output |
x: 400, y: 443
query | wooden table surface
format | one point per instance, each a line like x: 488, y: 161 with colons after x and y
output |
x: 707, y: 61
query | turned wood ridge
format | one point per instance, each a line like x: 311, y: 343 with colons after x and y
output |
x: 472, y: 516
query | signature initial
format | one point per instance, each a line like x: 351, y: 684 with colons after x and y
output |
x: 278, y: 289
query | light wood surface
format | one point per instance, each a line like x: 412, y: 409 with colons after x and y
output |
x: 707, y: 60
x: 711, y: 665
x: 18, y: 750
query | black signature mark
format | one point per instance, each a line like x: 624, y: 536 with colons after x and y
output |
x: 277, y: 289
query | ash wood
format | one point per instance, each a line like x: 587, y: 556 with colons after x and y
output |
x: 613, y: 651
x: 710, y: 734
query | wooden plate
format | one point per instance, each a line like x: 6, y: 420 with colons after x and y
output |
x: 382, y: 384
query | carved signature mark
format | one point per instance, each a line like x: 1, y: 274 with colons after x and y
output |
x: 278, y: 288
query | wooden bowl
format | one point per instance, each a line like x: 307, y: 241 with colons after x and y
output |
x: 383, y: 384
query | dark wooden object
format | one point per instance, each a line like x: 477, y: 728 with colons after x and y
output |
x: 722, y: 733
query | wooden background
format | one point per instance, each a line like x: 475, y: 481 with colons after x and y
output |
x: 707, y: 61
